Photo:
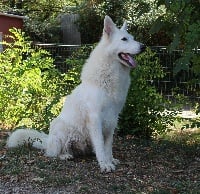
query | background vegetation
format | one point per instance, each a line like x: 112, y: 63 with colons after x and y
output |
x: 145, y: 114
x: 154, y: 22
x: 32, y: 91
x: 29, y: 83
x: 44, y: 17
x: 31, y: 88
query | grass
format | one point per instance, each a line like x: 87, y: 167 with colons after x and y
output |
x: 168, y: 164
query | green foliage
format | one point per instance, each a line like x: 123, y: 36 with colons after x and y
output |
x: 76, y: 61
x: 140, y: 14
x: 42, y: 22
x: 44, y: 26
x: 89, y: 23
x: 29, y: 84
x: 144, y: 114
x: 181, y: 22
x: 3, y: 6
x: 31, y: 88
x: 92, y: 14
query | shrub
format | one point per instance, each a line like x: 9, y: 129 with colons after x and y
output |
x: 181, y: 22
x: 144, y: 113
x: 29, y: 84
x: 140, y: 15
x: 31, y: 89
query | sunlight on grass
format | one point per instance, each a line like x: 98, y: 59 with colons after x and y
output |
x: 181, y: 134
x: 188, y: 136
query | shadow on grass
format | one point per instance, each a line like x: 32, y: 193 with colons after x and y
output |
x: 169, y: 164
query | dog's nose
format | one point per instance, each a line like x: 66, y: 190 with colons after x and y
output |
x: 142, y: 47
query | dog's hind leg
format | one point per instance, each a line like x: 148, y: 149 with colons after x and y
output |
x: 54, y: 146
x: 67, y: 153
x: 57, y: 144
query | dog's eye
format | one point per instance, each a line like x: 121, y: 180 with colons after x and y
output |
x: 124, y: 39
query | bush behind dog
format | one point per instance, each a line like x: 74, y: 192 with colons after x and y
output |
x: 31, y: 87
x: 144, y: 114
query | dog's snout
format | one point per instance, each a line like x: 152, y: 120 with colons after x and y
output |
x: 142, y: 47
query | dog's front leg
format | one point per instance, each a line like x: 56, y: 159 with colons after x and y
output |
x: 96, y: 135
x: 108, y: 147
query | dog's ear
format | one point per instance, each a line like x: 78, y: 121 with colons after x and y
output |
x: 124, y: 27
x: 109, y: 26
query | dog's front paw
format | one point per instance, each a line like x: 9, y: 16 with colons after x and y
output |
x: 66, y: 156
x: 107, y: 166
x: 115, y: 161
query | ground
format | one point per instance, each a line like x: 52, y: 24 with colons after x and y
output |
x: 154, y: 166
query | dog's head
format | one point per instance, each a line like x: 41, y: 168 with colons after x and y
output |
x: 120, y: 43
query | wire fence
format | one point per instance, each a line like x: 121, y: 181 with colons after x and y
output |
x: 184, y: 82
x: 181, y: 83
x: 60, y: 53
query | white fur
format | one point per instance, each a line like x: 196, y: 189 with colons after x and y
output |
x: 90, y: 112
x: 21, y: 136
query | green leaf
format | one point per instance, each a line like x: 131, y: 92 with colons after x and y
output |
x: 157, y: 25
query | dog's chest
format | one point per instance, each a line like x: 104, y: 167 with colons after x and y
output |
x: 118, y: 86
x: 114, y: 101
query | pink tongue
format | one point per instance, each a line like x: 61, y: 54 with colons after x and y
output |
x: 128, y: 58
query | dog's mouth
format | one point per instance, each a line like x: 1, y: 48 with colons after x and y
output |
x: 127, y: 59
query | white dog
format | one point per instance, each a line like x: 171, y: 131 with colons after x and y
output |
x: 90, y: 113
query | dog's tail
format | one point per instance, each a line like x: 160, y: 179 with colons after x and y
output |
x: 33, y: 137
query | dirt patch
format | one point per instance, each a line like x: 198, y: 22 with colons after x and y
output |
x: 157, y: 166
